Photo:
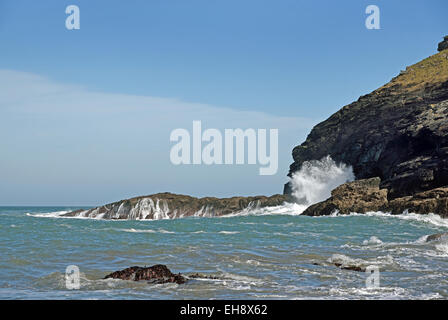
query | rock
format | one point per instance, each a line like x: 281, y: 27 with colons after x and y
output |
x: 365, y: 195
x: 432, y: 201
x: 444, y: 44
x: 437, y: 236
x: 206, y: 276
x: 351, y: 268
x: 158, y: 273
x: 359, y: 196
x: 398, y: 132
x: 168, y: 206
x: 343, y: 266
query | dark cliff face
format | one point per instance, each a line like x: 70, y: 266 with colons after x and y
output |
x: 398, y: 132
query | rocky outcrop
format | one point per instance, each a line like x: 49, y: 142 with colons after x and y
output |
x: 358, y: 196
x: 158, y: 273
x: 432, y: 201
x: 398, y: 132
x: 443, y: 45
x: 169, y: 206
x: 437, y: 237
x: 363, y: 196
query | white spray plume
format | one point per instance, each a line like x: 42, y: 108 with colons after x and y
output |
x: 315, y: 180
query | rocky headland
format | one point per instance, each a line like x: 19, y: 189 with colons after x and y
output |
x: 397, y: 135
x: 170, y: 206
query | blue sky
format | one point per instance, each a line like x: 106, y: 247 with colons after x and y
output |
x: 232, y: 63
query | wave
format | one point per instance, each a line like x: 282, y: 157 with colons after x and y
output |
x: 316, y: 179
x: 56, y: 214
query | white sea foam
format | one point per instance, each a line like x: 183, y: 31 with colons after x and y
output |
x: 138, y: 230
x: 56, y: 214
x: 228, y: 232
x: 373, y: 240
x: 146, y: 230
x: 430, y: 218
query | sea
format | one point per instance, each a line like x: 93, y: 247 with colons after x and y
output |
x: 273, y: 254
x: 261, y: 253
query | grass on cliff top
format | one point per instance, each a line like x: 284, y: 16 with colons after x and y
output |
x: 429, y: 71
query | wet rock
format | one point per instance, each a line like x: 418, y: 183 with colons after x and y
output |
x: 349, y: 267
x: 158, y: 273
x: 359, y: 196
x: 437, y: 236
x: 204, y: 276
x: 343, y: 266
x: 365, y: 195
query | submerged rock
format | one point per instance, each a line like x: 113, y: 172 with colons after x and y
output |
x: 343, y: 266
x: 169, y: 206
x: 398, y: 132
x: 158, y: 273
x: 351, y: 268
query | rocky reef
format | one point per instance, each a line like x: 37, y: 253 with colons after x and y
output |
x: 169, y: 206
x: 398, y: 133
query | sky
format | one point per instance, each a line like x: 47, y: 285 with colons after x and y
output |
x: 86, y: 115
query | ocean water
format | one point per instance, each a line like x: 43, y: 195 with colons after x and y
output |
x: 275, y: 255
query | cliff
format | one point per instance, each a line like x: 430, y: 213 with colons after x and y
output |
x: 398, y: 132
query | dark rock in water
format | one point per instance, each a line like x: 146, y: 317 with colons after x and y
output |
x: 168, y: 206
x: 344, y: 267
x: 351, y: 268
x: 365, y: 195
x: 205, y: 276
x: 359, y: 196
x: 398, y: 132
x: 437, y: 236
x: 158, y: 273
x: 444, y: 44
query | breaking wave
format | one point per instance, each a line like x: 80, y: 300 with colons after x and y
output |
x: 315, y: 180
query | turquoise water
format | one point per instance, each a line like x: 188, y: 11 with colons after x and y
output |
x: 253, y: 257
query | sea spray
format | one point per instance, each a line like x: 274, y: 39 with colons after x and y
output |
x: 315, y: 180
x: 311, y: 184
